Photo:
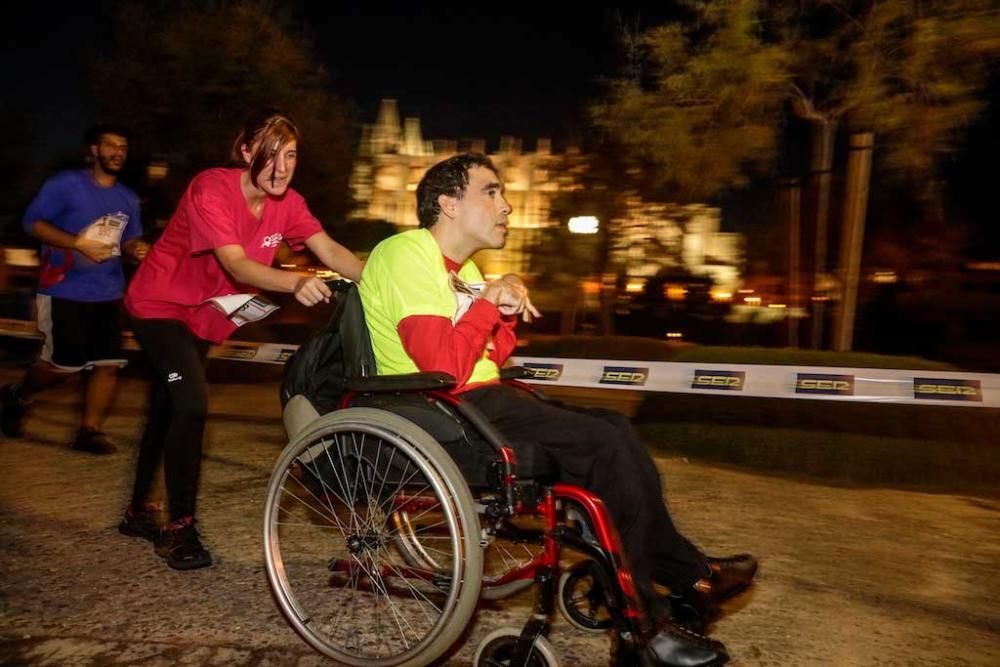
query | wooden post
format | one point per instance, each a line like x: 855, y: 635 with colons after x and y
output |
x: 793, y: 193
x: 821, y: 169
x: 859, y: 165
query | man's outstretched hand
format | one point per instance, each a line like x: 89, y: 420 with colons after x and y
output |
x: 510, y: 296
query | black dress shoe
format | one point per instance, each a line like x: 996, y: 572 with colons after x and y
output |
x: 730, y: 576
x: 674, y: 646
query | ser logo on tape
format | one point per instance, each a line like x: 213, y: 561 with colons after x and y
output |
x: 721, y: 380
x: 627, y: 375
x: 546, y: 372
x: 823, y: 383
x: 947, y: 389
x: 244, y: 352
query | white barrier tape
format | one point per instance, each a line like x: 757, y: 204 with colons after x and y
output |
x: 19, y: 329
x: 808, y: 382
x: 815, y: 382
x: 235, y: 350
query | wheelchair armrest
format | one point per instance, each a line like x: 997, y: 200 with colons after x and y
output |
x: 514, y: 373
x: 407, y: 382
x: 299, y: 412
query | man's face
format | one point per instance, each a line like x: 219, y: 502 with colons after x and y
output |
x: 276, y: 175
x: 481, y: 213
x: 110, y: 153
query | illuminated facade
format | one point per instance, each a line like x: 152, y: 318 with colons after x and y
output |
x: 393, y: 157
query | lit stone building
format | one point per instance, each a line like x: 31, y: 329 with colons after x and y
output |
x: 394, y: 155
x: 654, y: 236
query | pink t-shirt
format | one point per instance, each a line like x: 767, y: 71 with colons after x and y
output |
x: 181, y: 271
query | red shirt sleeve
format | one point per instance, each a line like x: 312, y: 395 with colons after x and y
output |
x: 435, y: 344
x: 504, y: 339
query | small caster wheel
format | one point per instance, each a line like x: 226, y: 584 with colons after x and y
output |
x: 497, y: 650
x: 581, y: 598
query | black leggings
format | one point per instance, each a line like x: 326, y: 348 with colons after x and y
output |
x: 600, y: 451
x: 178, y: 406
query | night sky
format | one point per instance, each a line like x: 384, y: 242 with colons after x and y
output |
x: 476, y: 70
x: 467, y: 71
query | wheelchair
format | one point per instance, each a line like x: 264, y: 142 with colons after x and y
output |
x: 396, y: 507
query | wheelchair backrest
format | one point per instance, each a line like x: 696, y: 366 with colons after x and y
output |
x: 320, y: 368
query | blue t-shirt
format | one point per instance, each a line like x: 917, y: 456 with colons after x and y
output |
x: 71, y: 201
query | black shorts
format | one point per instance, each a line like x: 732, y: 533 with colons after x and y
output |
x: 80, y: 334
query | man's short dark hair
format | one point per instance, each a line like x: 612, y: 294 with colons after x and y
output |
x: 93, y: 136
x: 450, y: 178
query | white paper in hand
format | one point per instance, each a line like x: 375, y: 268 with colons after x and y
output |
x: 108, y: 229
x: 465, y: 294
x: 244, y: 308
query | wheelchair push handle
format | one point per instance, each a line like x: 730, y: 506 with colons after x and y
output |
x: 339, y: 286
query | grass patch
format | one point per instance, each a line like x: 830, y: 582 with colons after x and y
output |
x: 936, y: 465
x: 918, y: 422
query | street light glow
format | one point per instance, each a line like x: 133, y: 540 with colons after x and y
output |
x: 583, y: 224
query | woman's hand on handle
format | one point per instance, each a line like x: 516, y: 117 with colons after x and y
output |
x: 310, y: 291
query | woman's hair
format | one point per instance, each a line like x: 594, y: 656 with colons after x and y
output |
x: 265, y: 132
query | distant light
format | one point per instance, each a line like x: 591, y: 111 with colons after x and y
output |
x: 719, y: 295
x: 157, y: 170
x: 776, y: 305
x: 820, y: 298
x: 591, y: 287
x: 635, y: 286
x: 583, y: 224
x: 326, y: 274
x: 289, y: 266
x: 675, y: 292
x: 751, y: 300
x: 744, y: 291
x: 492, y: 276
x: 674, y: 334
x: 984, y: 266
x: 884, y: 277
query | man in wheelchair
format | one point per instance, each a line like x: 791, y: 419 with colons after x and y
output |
x: 428, y: 308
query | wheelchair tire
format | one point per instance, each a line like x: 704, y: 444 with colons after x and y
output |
x: 581, y: 598
x: 497, y: 650
x: 332, y: 555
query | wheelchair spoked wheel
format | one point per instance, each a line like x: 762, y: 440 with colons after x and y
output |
x: 332, y: 544
x: 581, y: 598
x: 497, y: 650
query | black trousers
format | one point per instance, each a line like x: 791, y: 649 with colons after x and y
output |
x: 599, y: 450
x: 178, y: 406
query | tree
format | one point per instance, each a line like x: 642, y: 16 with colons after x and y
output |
x: 701, y: 100
x: 183, y: 76
x: 698, y: 102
